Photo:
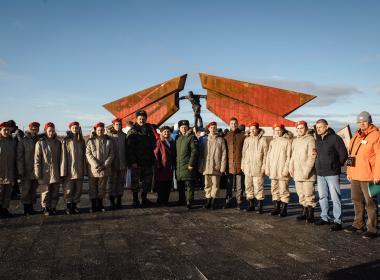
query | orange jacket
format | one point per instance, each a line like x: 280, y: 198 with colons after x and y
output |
x: 367, y: 165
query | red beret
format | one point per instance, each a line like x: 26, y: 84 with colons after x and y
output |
x: 211, y: 124
x: 117, y: 120
x: 278, y: 125
x: 4, y: 124
x: 254, y: 124
x: 34, y: 124
x: 73, y: 123
x: 49, y: 124
x: 301, y: 122
x: 99, y: 124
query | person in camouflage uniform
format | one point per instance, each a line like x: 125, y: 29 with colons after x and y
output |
x: 141, y: 142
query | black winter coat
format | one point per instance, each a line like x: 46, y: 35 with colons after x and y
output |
x: 331, y: 154
x: 141, y: 142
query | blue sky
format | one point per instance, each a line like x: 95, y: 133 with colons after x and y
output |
x: 61, y: 60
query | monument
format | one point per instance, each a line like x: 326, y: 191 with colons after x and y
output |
x: 225, y: 98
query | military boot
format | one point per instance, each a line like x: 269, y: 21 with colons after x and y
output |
x: 93, y: 206
x: 284, y: 211
x: 144, y: 200
x: 212, y: 204
x: 68, y: 209
x: 310, y: 216
x: 276, y: 210
x: 208, y: 203
x: 136, y: 202
x: 118, y: 202
x: 112, y: 202
x: 260, y: 206
x: 251, y: 205
x: 303, y: 216
x: 74, y: 208
x: 100, y: 205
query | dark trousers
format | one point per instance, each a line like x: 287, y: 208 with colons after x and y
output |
x: 185, y: 191
x: 163, y: 189
x: 235, y: 181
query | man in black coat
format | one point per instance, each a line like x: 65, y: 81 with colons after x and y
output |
x: 331, y: 156
x: 140, y: 146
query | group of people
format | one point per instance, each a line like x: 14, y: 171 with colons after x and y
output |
x: 312, y: 156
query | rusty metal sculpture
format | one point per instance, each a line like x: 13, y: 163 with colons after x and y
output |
x: 160, y: 102
x: 225, y: 98
x: 251, y: 102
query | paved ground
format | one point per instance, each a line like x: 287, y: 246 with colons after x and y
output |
x: 174, y: 243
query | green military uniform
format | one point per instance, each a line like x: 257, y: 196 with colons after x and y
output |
x: 186, y: 155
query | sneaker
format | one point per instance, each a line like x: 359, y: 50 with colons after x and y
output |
x: 369, y: 235
x: 321, y: 222
x: 336, y: 227
x: 352, y: 229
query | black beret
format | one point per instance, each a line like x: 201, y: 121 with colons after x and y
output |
x: 141, y: 113
x: 183, y: 122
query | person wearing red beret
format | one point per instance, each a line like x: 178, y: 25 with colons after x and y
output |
x: 73, y: 167
x: 25, y: 164
x: 212, y: 163
x: 234, y: 139
x: 277, y: 168
x: 255, y: 150
x: 8, y: 147
x: 47, y: 167
x: 99, y: 154
x: 302, y: 169
x: 117, y: 181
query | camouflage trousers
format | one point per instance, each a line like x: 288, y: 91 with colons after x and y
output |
x: 142, y: 177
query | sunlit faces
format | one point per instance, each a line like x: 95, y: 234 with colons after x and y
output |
x: 301, y: 130
x: 117, y: 126
x: 213, y: 129
x: 277, y: 132
x: 50, y: 132
x: 166, y: 133
x: 34, y: 130
x: 5, y: 132
x: 234, y: 125
x: 99, y: 131
x: 141, y: 120
x: 183, y: 129
x: 74, y: 129
x: 363, y: 125
x: 254, y: 130
x: 321, y: 128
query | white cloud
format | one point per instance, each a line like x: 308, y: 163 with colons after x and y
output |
x: 326, y: 94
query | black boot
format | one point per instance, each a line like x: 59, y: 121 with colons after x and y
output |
x: 189, y: 204
x: 284, y: 211
x: 276, y: 209
x: 208, y: 203
x: 26, y: 209
x: 112, y: 202
x: 53, y: 212
x: 303, y: 216
x: 68, y: 209
x: 46, y: 211
x: 228, y: 203
x: 310, y: 216
x: 31, y: 210
x: 144, y: 200
x: 100, y: 205
x: 118, y: 202
x: 136, y: 202
x: 212, y: 204
x: 93, y: 205
x: 5, y: 213
x: 251, y: 205
x: 74, y: 208
x: 260, y: 206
